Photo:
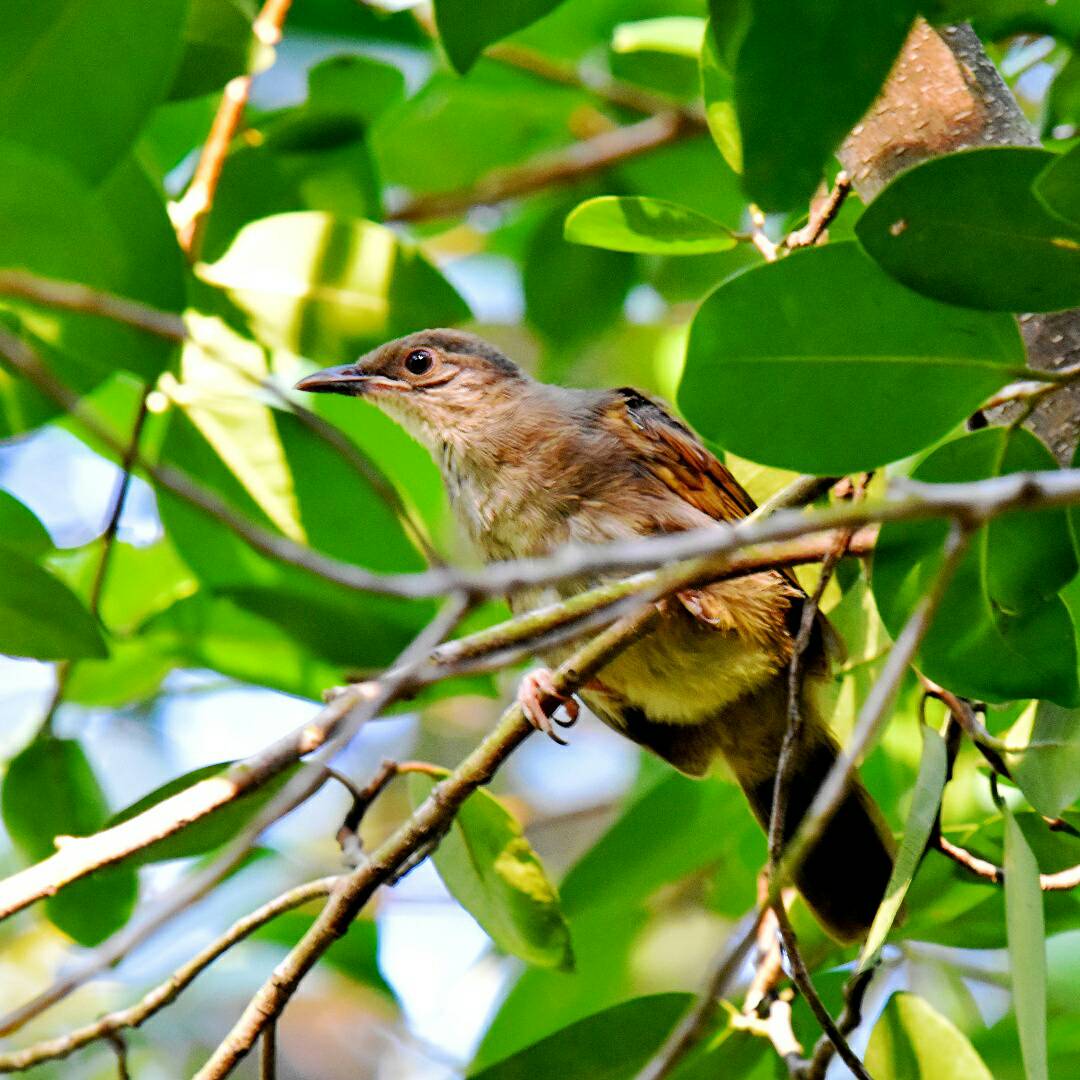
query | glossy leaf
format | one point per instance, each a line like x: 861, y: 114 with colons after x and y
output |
x: 805, y: 75
x: 50, y: 791
x: 20, y: 528
x: 1058, y: 186
x: 1001, y: 632
x: 650, y: 226
x: 493, y: 872
x: 610, y: 1045
x: 467, y: 28
x: 925, y: 806
x: 210, y: 831
x: 680, y: 35
x: 331, y: 288
x: 814, y: 379
x: 54, y: 55
x: 218, y: 45
x: 40, y: 617
x: 951, y: 226
x: 1027, y: 948
x: 913, y: 1041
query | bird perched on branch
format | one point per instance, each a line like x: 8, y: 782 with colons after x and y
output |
x: 530, y: 467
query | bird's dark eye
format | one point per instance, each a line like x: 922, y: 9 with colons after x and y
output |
x: 419, y: 361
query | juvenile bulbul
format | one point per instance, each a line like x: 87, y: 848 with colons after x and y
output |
x: 529, y: 467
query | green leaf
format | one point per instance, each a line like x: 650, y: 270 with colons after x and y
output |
x: 20, y: 529
x: 81, y: 76
x: 208, y: 832
x: 925, y: 806
x: 1044, y: 757
x: 41, y: 617
x: 331, y: 288
x: 650, y: 226
x: 718, y: 93
x: 806, y: 74
x: 828, y: 387
x: 913, y: 1041
x: 610, y: 1045
x: 493, y: 872
x: 1027, y: 946
x: 968, y: 229
x: 218, y: 45
x: 680, y: 35
x: 50, y: 791
x: 556, y: 275
x: 1001, y: 633
x: 1058, y: 186
x: 467, y: 27
x: 354, y: 955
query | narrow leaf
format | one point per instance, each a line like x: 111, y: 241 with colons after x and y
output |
x: 650, y: 226
x: 925, y: 804
x: 679, y: 35
x: 1027, y: 946
x: 1058, y: 186
x: 493, y: 872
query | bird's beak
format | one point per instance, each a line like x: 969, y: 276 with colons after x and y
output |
x: 338, y: 380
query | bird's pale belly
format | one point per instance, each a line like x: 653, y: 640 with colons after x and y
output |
x: 684, y: 674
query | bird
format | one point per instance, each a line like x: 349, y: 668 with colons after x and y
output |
x: 530, y: 467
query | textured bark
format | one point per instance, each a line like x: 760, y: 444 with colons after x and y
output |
x: 944, y: 94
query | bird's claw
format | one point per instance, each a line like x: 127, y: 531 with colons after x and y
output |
x: 537, y: 695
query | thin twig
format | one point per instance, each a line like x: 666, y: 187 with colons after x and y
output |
x: 1062, y: 881
x: 166, y: 992
x: 822, y: 215
x: 268, y: 1053
x: 190, y: 213
x: 850, y: 1018
x: 419, y: 833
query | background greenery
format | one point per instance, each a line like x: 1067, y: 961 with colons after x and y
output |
x: 353, y: 207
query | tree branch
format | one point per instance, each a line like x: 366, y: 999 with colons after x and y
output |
x: 169, y: 990
x: 1062, y: 881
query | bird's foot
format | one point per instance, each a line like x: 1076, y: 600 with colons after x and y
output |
x: 539, y: 698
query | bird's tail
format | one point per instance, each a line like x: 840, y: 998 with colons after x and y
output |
x: 844, y: 875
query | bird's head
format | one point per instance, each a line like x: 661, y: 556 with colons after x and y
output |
x: 442, y: 385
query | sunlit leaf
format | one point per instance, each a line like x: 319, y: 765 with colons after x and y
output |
x: 680, y: 35
x: 331, y: 288
x: 1000, y: 632
x: 949, y: 227
x: 913, y: 1041
x: 1046, y: 760
x: 649, y: 226
x: 925, y: 806
x: 718, y: 93
x: 829, y: 387
x: 20, y: 528
x: 1027, y: 949
x: 50, y: 791
x: 493, y: 872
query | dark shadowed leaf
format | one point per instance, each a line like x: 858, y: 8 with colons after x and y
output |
x: 1027, y: 951
x: 609, y: 1045
x: 50, y: 791
x: 1058, y: 186
x: 925, y: 806
x: 805, y: 75
x: 331, y: 288
x: 968, y: 229
x: 218, y: 44
x: 41, y: 617
x: 650, y: 226
x: 493, y: 872
x: 81, y: 76
x: 1001, y: 632
x: 913, y: 1041
x: 467, y: 27
x: 831, y: 388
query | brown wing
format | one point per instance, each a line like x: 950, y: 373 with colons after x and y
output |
x: 678, y: 458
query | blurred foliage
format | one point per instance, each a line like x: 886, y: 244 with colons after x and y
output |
x: 865, y: 352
